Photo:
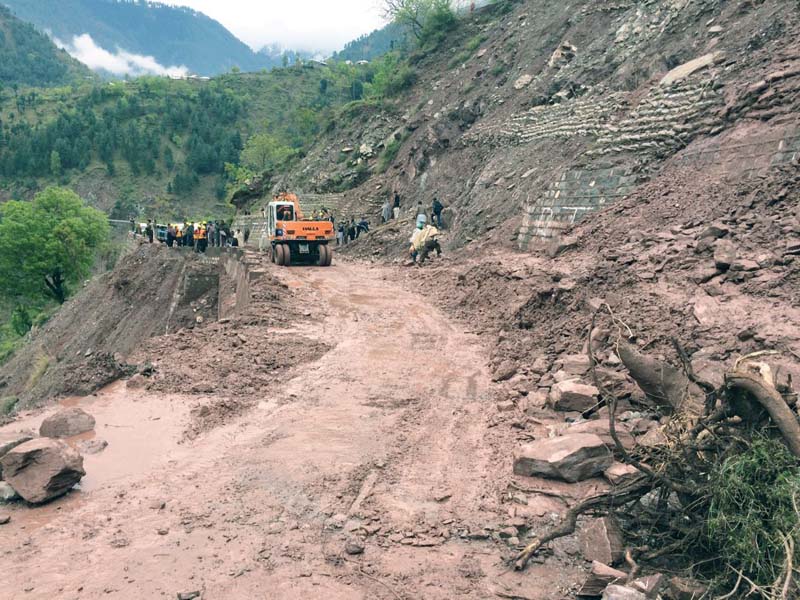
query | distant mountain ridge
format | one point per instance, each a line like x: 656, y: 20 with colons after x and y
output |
x: 173, y: 36
x: 28, y: 57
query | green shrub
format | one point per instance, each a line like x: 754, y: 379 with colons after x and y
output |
x: 403, y: 79
x: 753, y: 511
x: 475, y: 42
x: 459, y: 59
x: 7, y: 404
x: 39, y: 369
x: 8, y: 345
x: 21, y: 321
x: 389, y: 154
x: 498, y: 69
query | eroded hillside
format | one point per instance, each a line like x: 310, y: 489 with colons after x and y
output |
x: 519, y: 100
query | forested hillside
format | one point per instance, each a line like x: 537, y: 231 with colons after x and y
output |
x: 173, y: 36
x: 28, y: 57
x: 160, y: 145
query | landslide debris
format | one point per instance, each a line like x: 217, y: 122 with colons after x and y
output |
x: 86, y: 344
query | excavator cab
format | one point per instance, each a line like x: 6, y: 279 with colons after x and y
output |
x: 279, y: 214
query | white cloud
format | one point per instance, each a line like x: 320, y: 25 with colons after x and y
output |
x: 314, y: 25
x: 84, y: 48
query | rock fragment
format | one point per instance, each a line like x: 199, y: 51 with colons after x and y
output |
x: 619, y: 473
x: 354, y: 546
x: 92, y: 446
x: 505, y: 371
x: 620, y: 592
x: 602, y: 428
x: 572, y: 395
x: 572, y: 457
x: 9, y: 440
x: 724, y: 254
x: 714, y: 231
x: 7, y: 493
x: 67, y: 423
x: 601, y: 541
x: 42, y: 469
x: 600, y: 577
x: 522, y: 82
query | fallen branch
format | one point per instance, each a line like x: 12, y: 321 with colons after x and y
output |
x: 769, y: 398
x: 661, y: 381
x: 634, y: 566
x: 519, y: 488
x: 629, y: 493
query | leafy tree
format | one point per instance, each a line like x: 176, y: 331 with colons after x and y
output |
x: 419, y: 15
x: 47, y: 244
x: 263, y: 152
x: 169, y: 159
x: 439, y: 20
x: 55, y: 163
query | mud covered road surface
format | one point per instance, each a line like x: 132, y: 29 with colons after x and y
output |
x: 381, y: 444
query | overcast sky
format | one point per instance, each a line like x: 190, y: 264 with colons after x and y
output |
x: 324, y: 25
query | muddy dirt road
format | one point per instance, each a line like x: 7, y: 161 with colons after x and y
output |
x: 382, y: 443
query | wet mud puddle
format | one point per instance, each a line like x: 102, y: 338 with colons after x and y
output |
x: 142, y: 430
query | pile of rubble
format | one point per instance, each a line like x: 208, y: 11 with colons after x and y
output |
x: 40, y: 469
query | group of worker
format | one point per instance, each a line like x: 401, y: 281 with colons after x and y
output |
x: 391, y: 210
x: 349, y: 231
x: 425, y: 238
x: 199, y: 235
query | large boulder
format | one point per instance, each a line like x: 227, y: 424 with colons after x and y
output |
x: 571, y: 458
x: 573, y: 396
x: 42, y: 469
x: 9, y: 440
x: 67, y: 423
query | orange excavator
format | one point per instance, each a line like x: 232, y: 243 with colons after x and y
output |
x: 295, y: 239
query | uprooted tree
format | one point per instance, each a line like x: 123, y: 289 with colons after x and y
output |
x: 720, y: 497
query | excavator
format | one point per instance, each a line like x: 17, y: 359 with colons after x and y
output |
x: 293, y: 238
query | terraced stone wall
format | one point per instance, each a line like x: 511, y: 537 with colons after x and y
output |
x: 748, y: 157
x: 567, y: 200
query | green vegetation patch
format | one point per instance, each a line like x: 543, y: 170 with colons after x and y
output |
x: 753, y: 519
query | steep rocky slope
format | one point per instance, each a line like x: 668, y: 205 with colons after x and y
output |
x: 518, y: 101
